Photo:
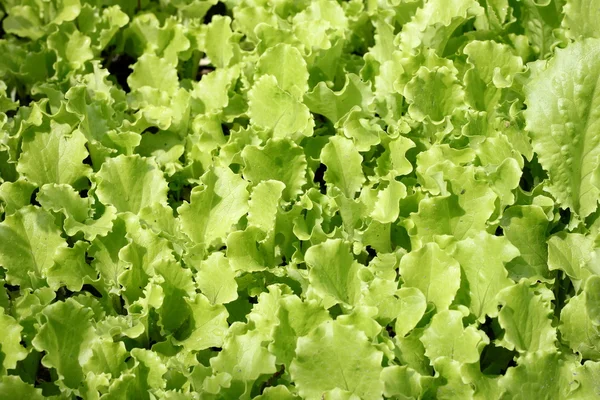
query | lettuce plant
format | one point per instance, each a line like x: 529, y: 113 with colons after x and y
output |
x: 299, y: 199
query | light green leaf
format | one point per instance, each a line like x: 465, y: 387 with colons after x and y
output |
x: 434, y: 22
x: 445, y: 215
x: 130, y: 183
x: 146, y: 374
x: 24, y: 21
x: 442, y: 163
x: 401, y: 381
x: 216, y: 279
x: 296, y: 319
x: 482, y: 259
x: 55, y: 156
x: 577, y: 328
x: 29, y: 240
x: 446, y: 337
x: 217, y: 42
x: 333, y: 271
x: 286, y: 64
x: 213, y: 89
x: 364, y: 132
x: 526, y: 318
x: 280, y: 160
x: 159, y: 217
x: 588, y: 377
x: 484, y: 385
x: 493, y: 67
x: 147, y: 36
x: 563, y: 121
x: 71, y: 47
x: 317, y: 18
x: 274, y: 109
x: 244, y: 357
x: 166, y: 148
x: 432, y: 271
x: 263, y: 315
x: 412, y: 352
x: 165, y: 110
x: 177, y: 287
x: 335, y: 105
x: 214, y: 207
x: 10, y: 342
x: 505, y: 179
x: 525, y: 227
x: 343, y: 163
x: 452, y: 385
x: 13, y: 387
x: 208, y: 324
x: 16, y: 194
x: 145, y: 251
x: 279, y: 199
x: 107, y: 357
x: 64, y: 336
x: 362, y: 318
x: 337, y: 356
x: 64, y: 199
x: 543, y: 372
x: 498, y: 70
x: 279, y: 392
x: 592, y: 299
x: 248, y: 250
x: 387, y: 206
x: 412, y: 308
x: 105, y: 254
x: 570, y: 252
x: 70, y: 268
x: 264, y: 204
x: 434, y: 95
x: 385, y: 296
x: 101, y: 25
x: 394, y: 158
x: 151, y: 71
x: 581, y: 19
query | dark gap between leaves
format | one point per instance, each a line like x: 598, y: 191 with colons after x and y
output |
x: 218, y: 9
x: 33, y: 198
x: 319, y: 178
x: 119, y: 66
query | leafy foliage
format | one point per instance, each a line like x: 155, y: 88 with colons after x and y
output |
x: 251, y: 199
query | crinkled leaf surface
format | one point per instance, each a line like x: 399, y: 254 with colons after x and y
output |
x: 323, y: 363
x: 563, y: 119
x: 432, y: 271
x: 54, y: 157
x: 29, y: 242
x: 482, y: 260
x: 446, y: 337
x: 131, y: 183
x: 272, y: 108
x: 214, y: 207
x: 65, y: 343
x: 333, y: 271
x: 326, y: 199
x: 525, y: 317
